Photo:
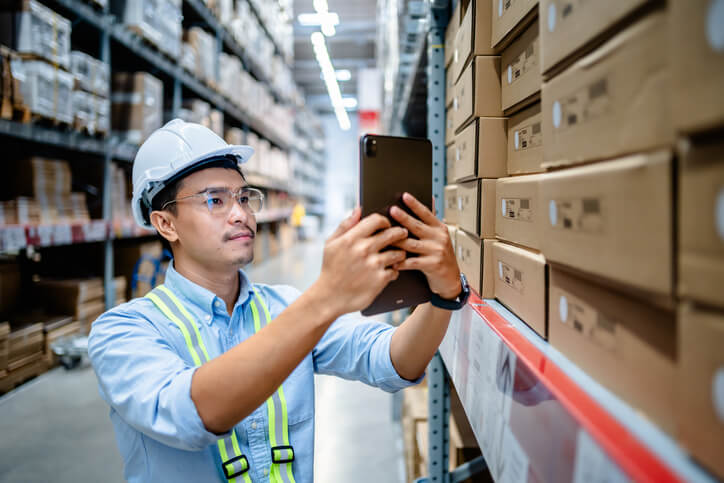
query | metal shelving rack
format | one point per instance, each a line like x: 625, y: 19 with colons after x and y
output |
x: 111, y: 148
x: 535, y: 414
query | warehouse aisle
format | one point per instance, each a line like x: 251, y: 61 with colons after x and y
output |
x: 57, y: 428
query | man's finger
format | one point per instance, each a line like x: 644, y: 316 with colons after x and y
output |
x: 416, y: 227
x: 369, y: 225
x: 421, y: 247
x: 422, y: 211
x: 347, y: 223
x: 387, y: 237
x: 391, y: 257
x: 413, y: 263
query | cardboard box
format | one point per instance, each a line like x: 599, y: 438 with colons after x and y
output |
x: 613, y: 219
x: 480, y: 149
x: 473, y: 35
x: 477, y: 92
x: 475, y: 258
x: 450, y: 125
x: 696, y: 53
x: 611, y: 102
x: 626, y: 345
x: 570, y: 27
x: 701, y: 223
x: 520, y: 284
x: 518, y: 210
x: 476, y: 207
x: 451, y: 204
x: 24, y: 341
x: 450, y: 157
x: 525, y: 141
x: 520, y: 74
x: 449, y: 87
x: 9, y: 287
x: 4, y: 349
x: 700, y: 391
x: 509, y: 19
x: 137, y: 105
x: 450, y: 32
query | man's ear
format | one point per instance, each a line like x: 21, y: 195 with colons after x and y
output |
x: 163, y: 222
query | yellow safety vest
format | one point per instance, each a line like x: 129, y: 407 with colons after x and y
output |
x: 236, y: 465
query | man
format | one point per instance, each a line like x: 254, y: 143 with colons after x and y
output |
x: 210, y: 377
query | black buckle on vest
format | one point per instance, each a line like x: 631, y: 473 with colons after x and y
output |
x: 280, y: 459
x: 244, y: 466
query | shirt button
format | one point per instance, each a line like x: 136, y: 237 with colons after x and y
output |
x: 253, y: 425
x: 266, y: 472
x: 218, y: 303
x: 208, y: 317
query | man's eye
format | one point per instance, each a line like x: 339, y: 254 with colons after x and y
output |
x: 244, y: 199
x: 216, y: 201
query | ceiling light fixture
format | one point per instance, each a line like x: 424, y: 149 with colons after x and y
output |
x: 327, y: 24
x: 330, y: 79
x: 349, y: 102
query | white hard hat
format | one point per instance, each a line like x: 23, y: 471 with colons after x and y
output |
x: 168, y: 152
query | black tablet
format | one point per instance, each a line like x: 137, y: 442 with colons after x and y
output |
x: 389, y: 167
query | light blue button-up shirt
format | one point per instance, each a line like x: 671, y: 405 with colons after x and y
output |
x: 144, y: 371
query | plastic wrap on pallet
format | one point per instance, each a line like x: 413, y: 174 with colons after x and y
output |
x: 44, y: 89
x: 158, y: 21
x: 92, y: 112
x: 31, y: 28
x: 91, y: 74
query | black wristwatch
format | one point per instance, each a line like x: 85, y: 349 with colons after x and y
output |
x: 458, y: 302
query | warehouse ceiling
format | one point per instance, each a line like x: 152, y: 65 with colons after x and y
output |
x: 352, y: 47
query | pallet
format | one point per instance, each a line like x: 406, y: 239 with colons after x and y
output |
x: 23, y: 374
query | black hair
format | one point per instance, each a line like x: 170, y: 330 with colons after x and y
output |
x: 170, y: 191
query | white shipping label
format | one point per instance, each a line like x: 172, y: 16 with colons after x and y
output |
x: 528, y: 137
x: 590, y: 102
x: 598, y: 328
x: 525, y: 62
x: 719, y: 213
x: 517, y: 209
x: 592, y: 465
x: 715, y: 25
x: 580, y: 214
x: 511, y: 276
x: 717, y: 393
x: 513, y: 461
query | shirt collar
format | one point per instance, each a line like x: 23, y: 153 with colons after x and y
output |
x: 202, y: 297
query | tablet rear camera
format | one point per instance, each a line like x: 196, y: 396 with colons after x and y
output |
x: 371, y: 147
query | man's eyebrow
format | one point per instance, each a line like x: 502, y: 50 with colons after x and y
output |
x: 221, y: 188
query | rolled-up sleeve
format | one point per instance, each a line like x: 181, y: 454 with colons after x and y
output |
x: 145, y: 381
x: 358, y: 348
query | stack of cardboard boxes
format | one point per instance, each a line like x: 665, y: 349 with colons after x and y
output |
x: 137, y: 105
x: 696, y: 55
x: 41, y: 193
x: 83, y: 299
x: 610, y: 221
x: 476, y: 140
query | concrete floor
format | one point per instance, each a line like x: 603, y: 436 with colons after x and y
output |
x: 56, y: 428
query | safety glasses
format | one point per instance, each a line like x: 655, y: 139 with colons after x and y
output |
x: 219, y: 201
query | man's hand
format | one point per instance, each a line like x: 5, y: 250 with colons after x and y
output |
x: 354, y: 271
x: 436, y: 255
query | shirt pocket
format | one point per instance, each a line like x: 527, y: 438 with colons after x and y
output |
x: 299, y: 392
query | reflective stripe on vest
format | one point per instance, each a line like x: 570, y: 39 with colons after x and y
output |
x: 236, y: 466
x: 282, y: 453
